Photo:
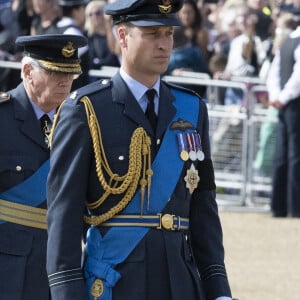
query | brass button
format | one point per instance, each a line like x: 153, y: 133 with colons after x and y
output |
x: 167, y: 222
x: 18, y: 168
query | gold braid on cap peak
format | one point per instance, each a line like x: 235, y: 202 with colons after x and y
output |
x: 61, y: 67
x: 139, y: 167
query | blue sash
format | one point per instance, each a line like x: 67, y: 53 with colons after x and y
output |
x: 104, y: 253
x: 32, y: 191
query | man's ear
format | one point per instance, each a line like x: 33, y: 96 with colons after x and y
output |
x: 26, y: 69
x: 121, y: 33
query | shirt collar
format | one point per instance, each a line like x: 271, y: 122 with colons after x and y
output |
x: 39, y: 113
x: 137, y: 88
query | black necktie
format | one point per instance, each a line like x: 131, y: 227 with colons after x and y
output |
x: 150, y: 111
x: 46, y: 127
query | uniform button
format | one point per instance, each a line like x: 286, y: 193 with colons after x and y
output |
x: 121, y: 157
x: 18, y: 168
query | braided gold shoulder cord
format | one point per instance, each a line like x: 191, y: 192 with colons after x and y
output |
x: 139, y: 166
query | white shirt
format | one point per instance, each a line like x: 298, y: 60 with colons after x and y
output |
x: 39, y: 113
x: 139, y: 90
x: 237, y: 65
x: 291, y: 90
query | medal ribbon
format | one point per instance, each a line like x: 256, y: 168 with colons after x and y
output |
x: 197, y: 139
x: 182, y: 146
x: 191, y: 146
x: 192, y: 135
x: 200, y: 154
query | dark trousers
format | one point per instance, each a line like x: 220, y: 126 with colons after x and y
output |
x: 285, y: 199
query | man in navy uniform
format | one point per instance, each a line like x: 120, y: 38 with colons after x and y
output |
x: 48, y: 68
x: 130, y: 161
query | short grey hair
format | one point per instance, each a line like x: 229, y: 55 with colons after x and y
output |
x: 26, y: 60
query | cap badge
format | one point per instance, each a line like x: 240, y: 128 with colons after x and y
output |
x: 68, y: 50
x: 166, y: 7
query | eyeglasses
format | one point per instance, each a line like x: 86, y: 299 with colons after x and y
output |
x: 96, y: 13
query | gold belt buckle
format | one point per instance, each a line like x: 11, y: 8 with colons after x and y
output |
x: 166, y: 221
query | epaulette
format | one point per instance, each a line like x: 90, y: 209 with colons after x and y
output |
x: 90, y: 89
x: 4, y: 97
x: 182, y: 88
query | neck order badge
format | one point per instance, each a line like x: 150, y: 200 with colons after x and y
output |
x: 46, y: 127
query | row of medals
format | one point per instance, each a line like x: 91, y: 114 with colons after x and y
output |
x: 190, y: 148
x: 189, y: 145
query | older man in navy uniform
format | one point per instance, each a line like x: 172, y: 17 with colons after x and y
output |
x: 49, y: 65
x: 130, y: 161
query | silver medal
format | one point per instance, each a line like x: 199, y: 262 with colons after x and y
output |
x: 200, y: 155
x: 192, y: 155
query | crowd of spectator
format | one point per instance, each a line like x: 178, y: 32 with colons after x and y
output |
x: 222, y: 38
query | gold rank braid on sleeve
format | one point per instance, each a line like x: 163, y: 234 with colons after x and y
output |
x: 139, y: 167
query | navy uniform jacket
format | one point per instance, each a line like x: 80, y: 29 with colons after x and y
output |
x: 162, y: 265
x: 22, y: 249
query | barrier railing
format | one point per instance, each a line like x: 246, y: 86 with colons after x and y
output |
x: 10, y: 64
x: 235, y: 132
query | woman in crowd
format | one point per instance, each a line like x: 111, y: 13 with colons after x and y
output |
x: 99, y: 51
x: 192, y: 21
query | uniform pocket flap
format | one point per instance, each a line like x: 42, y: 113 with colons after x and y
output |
x: 15, y: 242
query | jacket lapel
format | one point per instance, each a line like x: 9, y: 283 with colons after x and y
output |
x: 166, y: 109
x: 122, y: 95
x: 30, y: 125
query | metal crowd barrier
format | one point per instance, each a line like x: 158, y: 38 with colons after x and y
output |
x: 235, y: 133
x: 10, y: 64
x: 228, y: 134
x: 242, y: 139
